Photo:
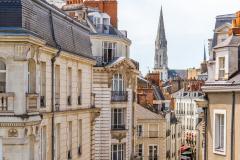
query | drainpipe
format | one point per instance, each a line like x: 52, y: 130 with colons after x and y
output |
x: 205, y: 133
x: 52, y: 79
x: 232, y: 125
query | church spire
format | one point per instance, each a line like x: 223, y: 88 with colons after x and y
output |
x: 161, y: 37
x: 161, y: 58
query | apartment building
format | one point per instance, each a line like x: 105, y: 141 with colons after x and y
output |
x: 114, y: 83
x: 222, y: 90
x: 46, y: 65
x: 157, y: 136
x: 188, y: 114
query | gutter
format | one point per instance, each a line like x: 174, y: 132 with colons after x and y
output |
x: 233, y: 125
x: 53, y: 59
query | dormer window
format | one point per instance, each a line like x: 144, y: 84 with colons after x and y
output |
x: 221, y: 70
x: 106, y: 21
x: 96, y: 21
x: 109, y: 51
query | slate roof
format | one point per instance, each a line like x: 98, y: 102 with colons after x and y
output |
x: 220, y: 20
x: 177, y: 73
x: 232, y: 41
x: 34, y: 17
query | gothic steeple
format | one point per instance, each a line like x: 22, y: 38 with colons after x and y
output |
x: 161, y: 45
x: 161, y: 58
x: 161, y: 37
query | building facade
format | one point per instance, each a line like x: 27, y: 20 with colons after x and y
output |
x: 46, y: 74
x: 222, y: 89
x: 114, y: 84
x: 187, y: 113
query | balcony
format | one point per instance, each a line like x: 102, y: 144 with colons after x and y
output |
x: 6, y: 102
x: 119, y: 96
x: 32, y: 102
x: 118, y: 127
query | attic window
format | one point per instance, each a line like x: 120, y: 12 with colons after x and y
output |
x: 221, y: 73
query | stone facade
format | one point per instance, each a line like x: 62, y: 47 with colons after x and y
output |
x: 156, y: 130
x: 46, y: 106
x: 222, y: 90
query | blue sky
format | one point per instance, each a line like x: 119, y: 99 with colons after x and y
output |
x: 188, y: 24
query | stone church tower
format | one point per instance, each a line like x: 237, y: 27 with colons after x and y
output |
x: 161, y: 58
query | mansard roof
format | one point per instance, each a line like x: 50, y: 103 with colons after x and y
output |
x: 220, y: 21
x: 232, y: 41
x: 40, y: 19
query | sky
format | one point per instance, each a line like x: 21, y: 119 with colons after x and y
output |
x: 188, y: 25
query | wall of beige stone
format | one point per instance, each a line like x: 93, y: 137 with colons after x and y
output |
x: 17, y: 148
x: 223, y: 101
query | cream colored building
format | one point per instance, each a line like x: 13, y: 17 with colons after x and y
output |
x: 46, y: 110
x: 115, y: 81
x: 223, y: 92
x: 157, y: 136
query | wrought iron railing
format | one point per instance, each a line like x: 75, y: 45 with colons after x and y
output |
x: 118, y: 127
x: 119, y: 96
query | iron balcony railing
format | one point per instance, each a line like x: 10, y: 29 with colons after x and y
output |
x: 118, y: 127
x: 147, y: 158
x: 119, y: 96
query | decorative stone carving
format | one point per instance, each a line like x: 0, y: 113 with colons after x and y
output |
x: 12, y: 132
x: 119, y: 135
x: 21, y: 52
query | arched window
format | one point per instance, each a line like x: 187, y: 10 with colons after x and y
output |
x: 2, y: 77
x: 31, y: 76
x: 118, y: 82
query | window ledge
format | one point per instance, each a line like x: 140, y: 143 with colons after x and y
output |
x: 219, y: 152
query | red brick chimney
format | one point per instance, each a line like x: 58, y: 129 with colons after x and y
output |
x: 235, y: 30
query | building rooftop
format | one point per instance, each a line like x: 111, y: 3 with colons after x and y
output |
x: 47, y: 22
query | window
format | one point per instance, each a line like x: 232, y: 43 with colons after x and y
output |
x: 57, y: 87
x: 69, y: 90
x: 118, y: 151
x: 140, y: 150
x: 70, y: 140
x: 31, y: 76
x: 118, y: 117
x: 118, y: 84
x: 139, y: 130
x: 219, y: 139
x: 79, y: 87
x: 58, y: 141
x: 109, y: 51
x: 153, y: 152
x: 221, y: 68
x: 43, y: 84
x: 2, y: 77
x: 79, y: 137
x: 43, y: 143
